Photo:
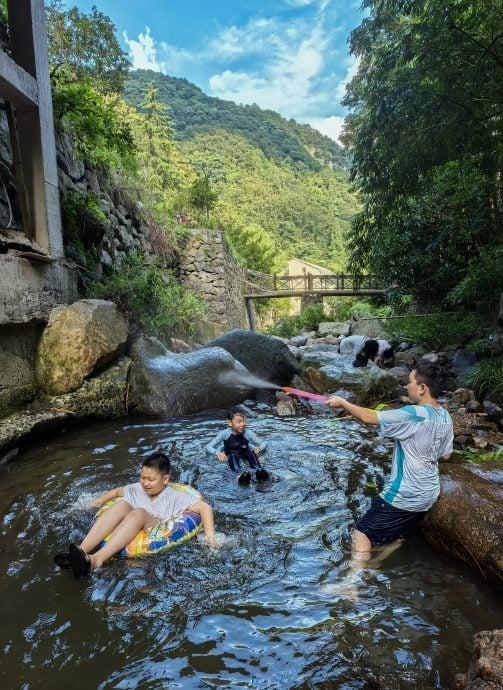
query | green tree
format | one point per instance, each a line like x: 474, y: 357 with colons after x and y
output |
x: 425, y: 133
x: 202, y: 197
x: 87, y: 43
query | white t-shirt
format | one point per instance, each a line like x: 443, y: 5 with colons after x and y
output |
x: 422, y: 434
x: 172, y: 500
x: 352, y: 344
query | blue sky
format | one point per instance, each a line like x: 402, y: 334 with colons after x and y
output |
x: 287, y: 55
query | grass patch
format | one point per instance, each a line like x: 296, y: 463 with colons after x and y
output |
x: 435, y: 330
x: 485, y: 376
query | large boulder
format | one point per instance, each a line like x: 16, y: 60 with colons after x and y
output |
x: 265, y: 357
x: 369, y: 325
x: 79, y: 340
x: 369, y: 383
x: 102, y: 396
x: 467, y: 519
x: 162, y: 384
x: 333, y: 328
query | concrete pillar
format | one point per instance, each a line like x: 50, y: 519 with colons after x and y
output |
x: 35, y: 128
x: 308, y: 299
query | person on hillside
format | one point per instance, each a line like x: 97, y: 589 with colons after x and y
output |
x: 379, y: 351
x: 352, y: 344
x: 423, y: 434
x: 232, y: 445
x: 144, y: 505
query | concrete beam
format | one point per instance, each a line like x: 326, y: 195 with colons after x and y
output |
x: 16, y: 85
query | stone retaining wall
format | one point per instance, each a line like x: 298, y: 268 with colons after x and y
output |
x: 208, y: 268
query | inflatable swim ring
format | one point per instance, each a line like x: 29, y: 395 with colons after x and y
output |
x: 166, y: 534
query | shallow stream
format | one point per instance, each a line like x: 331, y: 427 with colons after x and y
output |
x: 274, y: 608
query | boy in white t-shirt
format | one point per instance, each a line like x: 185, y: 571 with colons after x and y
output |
x: 145, y: 504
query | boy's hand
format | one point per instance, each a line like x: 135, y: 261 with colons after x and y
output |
x: 335, y: 402
x: 257, y: 450
x: 221, y: 457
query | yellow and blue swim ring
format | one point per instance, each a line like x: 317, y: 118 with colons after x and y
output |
x: 166, y: 534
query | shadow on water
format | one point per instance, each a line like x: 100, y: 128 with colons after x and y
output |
x: 266, y: 611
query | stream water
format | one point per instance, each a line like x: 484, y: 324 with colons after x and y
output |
x: 271, y: 609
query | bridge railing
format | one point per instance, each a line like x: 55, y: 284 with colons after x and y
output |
x: 308, y: 282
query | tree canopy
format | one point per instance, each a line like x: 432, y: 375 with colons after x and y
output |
x: 87, y: 43
x: 425, y: 137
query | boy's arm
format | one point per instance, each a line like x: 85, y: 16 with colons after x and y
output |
x: 258, y: 445
x: 206, y: 512
x: 360, y: 413
x: 114, y: 493
x: 215, y: 446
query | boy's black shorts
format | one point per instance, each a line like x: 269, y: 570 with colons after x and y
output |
x: 383, y: 523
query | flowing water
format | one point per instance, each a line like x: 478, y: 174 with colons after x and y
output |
x: 273, y: 608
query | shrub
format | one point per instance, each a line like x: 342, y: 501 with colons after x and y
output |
x: 434, y: 330
x: 99, y: 134
x: 151, y: 297
x: 343, y: 309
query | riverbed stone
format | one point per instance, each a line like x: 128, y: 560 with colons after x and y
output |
x: 466, y: 521
x: 367, y: 324
x: 163, y: 384
x: 19, y: 426
x: 263, y: 356
x: 79, y: 340
x: 369, y: 383
x: 486, y: 667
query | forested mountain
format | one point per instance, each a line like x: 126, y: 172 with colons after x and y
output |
x: 193, y: 112
x: 278, y: 189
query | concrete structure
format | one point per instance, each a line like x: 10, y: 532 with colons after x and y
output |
x: 33, y: 274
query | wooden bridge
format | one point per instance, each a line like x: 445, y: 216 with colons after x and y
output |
x: 261, y: 285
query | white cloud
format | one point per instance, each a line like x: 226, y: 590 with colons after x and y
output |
x: 143, y: 52
x: 351, y: 70
x: 330, y: 126
x: 299, y: 3
x: 285, y: 80
x: 258, y: 36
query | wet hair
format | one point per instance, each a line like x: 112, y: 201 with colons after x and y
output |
x: 388, y: 356
x: 361, y: 360
x: 157, y: 461
x: 432, y: 375
x: 234, y: 412
x: 370, y: 348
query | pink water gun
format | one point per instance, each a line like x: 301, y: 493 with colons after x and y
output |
x: 305, y: 394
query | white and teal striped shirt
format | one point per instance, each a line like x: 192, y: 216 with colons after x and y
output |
x: 422, y: 435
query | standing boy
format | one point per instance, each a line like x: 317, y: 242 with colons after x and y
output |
x: 423, y: 435
x: 233, y: 445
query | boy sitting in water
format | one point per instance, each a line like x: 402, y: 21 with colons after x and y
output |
x: 145, y: 504
x: 233, y: 445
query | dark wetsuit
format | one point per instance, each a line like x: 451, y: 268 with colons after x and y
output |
x: 236, y: 447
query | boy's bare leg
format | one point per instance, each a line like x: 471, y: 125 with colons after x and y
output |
x: 104, y: 525
x: 386, y: 551
x: 361, y: 545
x: 135, y: 520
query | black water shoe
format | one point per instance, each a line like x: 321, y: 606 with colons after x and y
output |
x: 262, y: 475
x: 62, y: 560
x: 79, y: 562
x: 244, y: 479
